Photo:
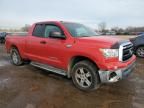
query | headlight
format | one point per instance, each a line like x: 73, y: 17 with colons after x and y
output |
x: 110, y: 52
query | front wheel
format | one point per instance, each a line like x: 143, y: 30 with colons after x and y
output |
x: 15, y: 57
x: 85, y: 76
x: 140, y: 51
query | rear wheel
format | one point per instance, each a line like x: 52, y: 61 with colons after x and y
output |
x: 85, y: 76
x: 140, y: 51
x: 15, y: 57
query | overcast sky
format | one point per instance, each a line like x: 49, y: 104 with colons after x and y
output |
x: 123, y: 13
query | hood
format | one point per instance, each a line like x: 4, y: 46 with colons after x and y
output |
x: 105, y: 41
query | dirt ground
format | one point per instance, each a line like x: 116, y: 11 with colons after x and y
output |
x: 30, y: 87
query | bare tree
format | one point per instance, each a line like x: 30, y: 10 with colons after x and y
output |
x: 118, y: 30
x: 102, y: 27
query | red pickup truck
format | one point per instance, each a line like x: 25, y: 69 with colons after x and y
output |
x: 73, y: 50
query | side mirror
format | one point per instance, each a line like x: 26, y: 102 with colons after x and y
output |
x: 56, y: 34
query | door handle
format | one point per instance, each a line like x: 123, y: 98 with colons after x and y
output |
x: 42, y: 42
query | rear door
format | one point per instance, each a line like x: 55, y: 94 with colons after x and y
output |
x: 36, y: 44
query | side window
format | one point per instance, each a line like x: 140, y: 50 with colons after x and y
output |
x: 81, y: 31
x: 38, y: 30
x: 50, y: 28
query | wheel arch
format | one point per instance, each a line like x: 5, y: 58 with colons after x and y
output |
x: 76, y: 59
x: 141, y: 45
x: 15, y: 46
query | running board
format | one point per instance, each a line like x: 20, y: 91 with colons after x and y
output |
x: 49, y: 68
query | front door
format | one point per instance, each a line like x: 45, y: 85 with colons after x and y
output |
x: 56, y: 47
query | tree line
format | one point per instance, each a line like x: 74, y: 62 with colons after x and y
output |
x: 120, y: 31
x: 102, y: 28
x: 25, y: 28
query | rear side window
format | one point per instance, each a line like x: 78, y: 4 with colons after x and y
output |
x: 39, y: 30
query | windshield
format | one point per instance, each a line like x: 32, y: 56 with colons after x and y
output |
x: 79, y: 30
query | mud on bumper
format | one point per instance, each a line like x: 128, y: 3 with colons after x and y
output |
x: 116, y: 75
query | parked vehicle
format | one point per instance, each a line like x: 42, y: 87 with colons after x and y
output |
x: 73, y: 50
x: 111, y: 33
x: 141, y: 33
x: 2, y: 37
x: 138, y: 43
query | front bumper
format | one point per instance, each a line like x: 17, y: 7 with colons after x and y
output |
x: 116, y: 75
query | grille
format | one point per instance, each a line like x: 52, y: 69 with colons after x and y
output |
x: 126, y: 51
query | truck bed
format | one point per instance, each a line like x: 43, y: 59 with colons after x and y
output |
x: 18, y: 40
x: 18, y: 34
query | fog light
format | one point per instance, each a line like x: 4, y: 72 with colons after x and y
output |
x: 112, y: 75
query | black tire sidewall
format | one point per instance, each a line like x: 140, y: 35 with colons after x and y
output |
x: 92, y: 69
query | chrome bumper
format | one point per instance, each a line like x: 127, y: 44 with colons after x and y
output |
x: 115, y: 75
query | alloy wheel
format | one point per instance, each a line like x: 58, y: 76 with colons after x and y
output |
x: 83, y: 77
x: 140, y: 51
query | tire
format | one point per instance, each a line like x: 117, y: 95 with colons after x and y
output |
x: 140, y: 51
x: 85, y: 76
x: 15, y: 57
